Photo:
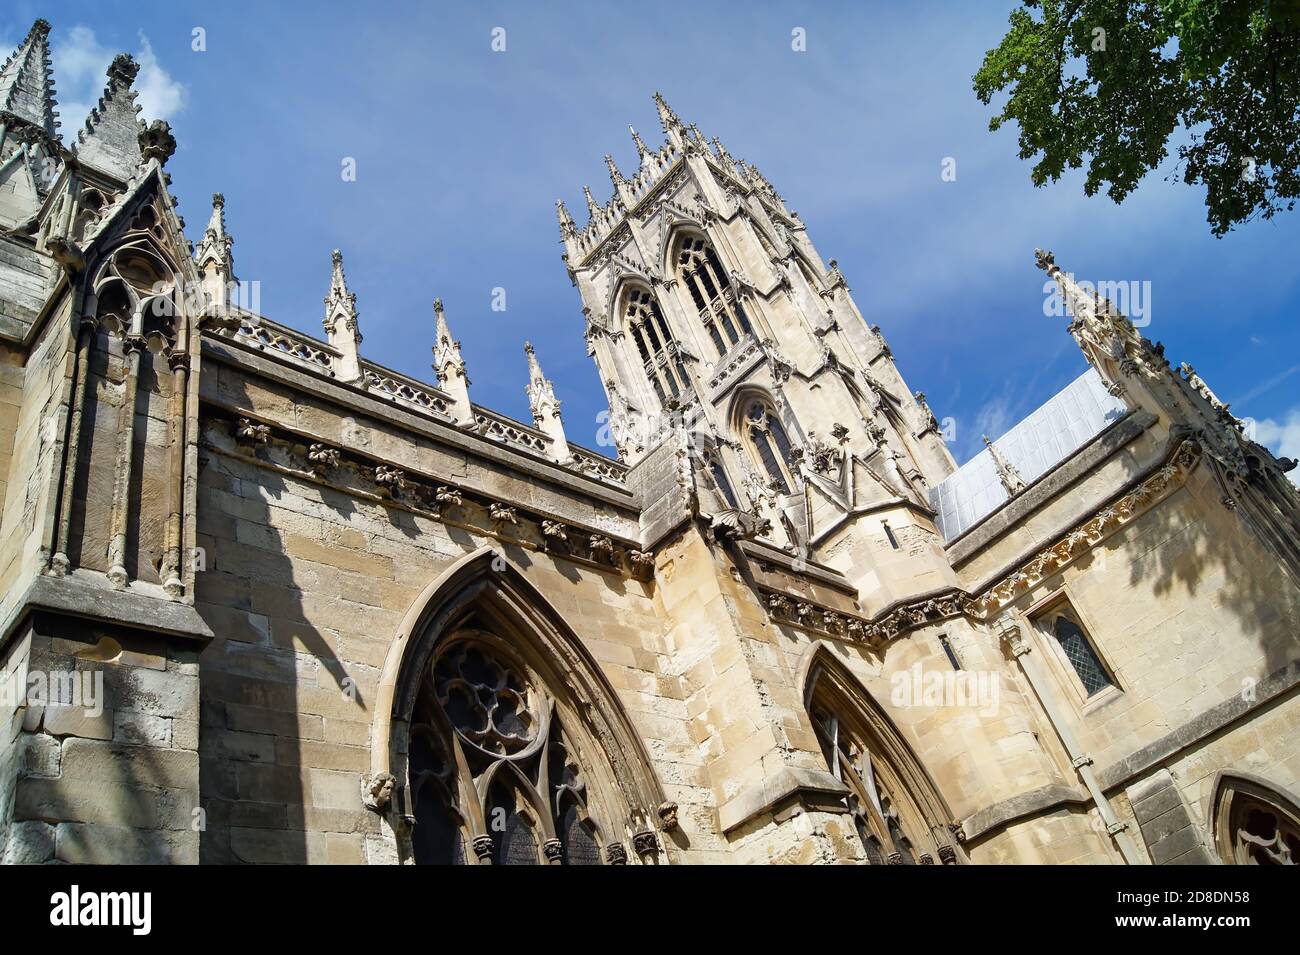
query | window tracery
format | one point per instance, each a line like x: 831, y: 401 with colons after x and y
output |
x: 1255, y: 825
x: 660, y: 355
x: 491, y: 765
x: 769, y: 444
x: 715, y: 299
x: 898, y: 815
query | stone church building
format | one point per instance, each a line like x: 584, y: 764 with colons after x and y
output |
x: 266, y: 601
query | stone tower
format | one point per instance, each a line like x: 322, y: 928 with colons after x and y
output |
x: 713, y: 319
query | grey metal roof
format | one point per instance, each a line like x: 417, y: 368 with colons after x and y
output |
x: 1065, y: 423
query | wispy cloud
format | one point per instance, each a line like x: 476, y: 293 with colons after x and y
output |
x: 1266, y: 385
x: 81, y: 63
x: 1281, y: 438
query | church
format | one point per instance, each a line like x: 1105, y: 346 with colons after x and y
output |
x: 266, y: 601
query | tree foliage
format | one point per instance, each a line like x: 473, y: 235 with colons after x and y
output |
x: 1108, y: 83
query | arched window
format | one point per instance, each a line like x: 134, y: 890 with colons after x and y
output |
x: 700, y: 272
x: 768, y: 443
x: 712, y: 459
x: 506, y: 743
x: 654, y: 342
x: 1254, y: 824
x: 898, y: 814
x: 1066, y: 629
x: 509, y: 744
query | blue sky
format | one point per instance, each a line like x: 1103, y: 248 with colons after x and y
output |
x: 461, y: 152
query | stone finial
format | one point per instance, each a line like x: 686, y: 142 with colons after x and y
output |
x: 567, y: 228
x: 213, y: 256
x: 615, y: 176
x: 593, y: 207
x: 342, y: 323
x: 672, y: 126
x: 642, y: 150
x: 123, y: 69
x: 1011, y: 480
x: 545, y: 407
x: 1045, y: 260
x: 622, y: 189
x: 449, y: 367
x: 157, y: 142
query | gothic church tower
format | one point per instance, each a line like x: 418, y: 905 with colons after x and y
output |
x: 715, y: 322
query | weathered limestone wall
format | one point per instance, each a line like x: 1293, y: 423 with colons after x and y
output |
x: 305, y: 582
x: 1198, y: 627
x: 32, y: 468
x: 103, y: 422
x: 107, y: 771
x: 11, y: 404
x: 1072, y: 835
x: 25, y: 279
x: 1202, y: 616
x: 13, y: 674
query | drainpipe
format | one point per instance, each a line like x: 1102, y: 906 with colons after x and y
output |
x: 1021, y: 649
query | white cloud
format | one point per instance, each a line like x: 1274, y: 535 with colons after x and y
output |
x: 80, y: 71
x: 161, y: 97
x: 1282, y: 439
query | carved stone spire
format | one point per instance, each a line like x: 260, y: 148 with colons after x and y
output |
x: 545, y: 406
x: 567, y: 228
x: 1107, y: 339
x: 723, y: 156
x: 593, y: 208
x: 213, y: 257
x: 26, y: 90
x: 621, y: 187
x: 449, y: 366
x: 341, y: 324
x: 673, y: 128
x: 642, y: 150
x: 1011, y: 480
x: 110, y: 141
x: 30, y: 153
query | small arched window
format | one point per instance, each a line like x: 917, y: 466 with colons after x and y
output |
x: 655, y: 344
x: 700, y: 272
x: 1066, y: 629
x: 768, y: 443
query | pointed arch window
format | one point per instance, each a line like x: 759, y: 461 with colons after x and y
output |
x: 660, y: 355
x: 768, y: 443
x: 504, y: 741
x: 898, y: 815
x: 712, y: 458
x: 1255, y: 824
x: 492, y: 765
x: 1075, y: 646
x: 720, y: 311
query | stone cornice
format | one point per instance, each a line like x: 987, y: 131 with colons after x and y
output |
x: 89, y: 596
x: 1092, y: 531
x: 366, y: 477
x: 580, y: 477
x: 898, y: 619
x: 895, y: 621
